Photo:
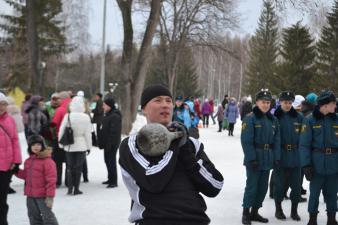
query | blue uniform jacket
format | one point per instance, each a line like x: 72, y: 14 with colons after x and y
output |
x: 290, y: 124
x: 257, y: 129
x: 319, y: 132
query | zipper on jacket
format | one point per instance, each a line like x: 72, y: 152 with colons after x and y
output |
x: 31, y: 177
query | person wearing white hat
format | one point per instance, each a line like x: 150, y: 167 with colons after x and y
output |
x: 297, y: 103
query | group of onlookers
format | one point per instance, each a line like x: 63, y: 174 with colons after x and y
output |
x: 44, y: 125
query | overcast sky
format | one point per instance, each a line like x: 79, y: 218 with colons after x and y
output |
x: 249, y: 10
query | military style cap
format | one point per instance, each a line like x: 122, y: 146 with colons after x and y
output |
x: 264, y: 94
x: 325, y: 98
x: 286, y: 96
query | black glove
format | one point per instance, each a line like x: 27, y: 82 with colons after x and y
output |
x: 177, y: 126
x: 15, y: 169
x: 276, y: 164
x: 88, y: 152
x: 187, y: 156
x: 308, y: 172
x: 254, y: 164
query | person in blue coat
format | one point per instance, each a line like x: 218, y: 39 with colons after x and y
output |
x: 260, y: 141
x: 289, y: 172
x: 231, y: 113
x: 319, y: 156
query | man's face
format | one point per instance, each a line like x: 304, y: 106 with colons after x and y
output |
x: 178, y: 103
x: 97, y: 98
x: 3, y: 107
x: 263, y: 105
x: 286, y: 105
x: 329, y: 108
x: 106, y: 108
x: 55, y: 102
x: 159, y: 110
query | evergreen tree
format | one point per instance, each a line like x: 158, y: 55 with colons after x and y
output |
x: 263, y: 53
x: 298, y: 52
x: 51, y: 38
x: 186, y: 73
x: 327, y: 58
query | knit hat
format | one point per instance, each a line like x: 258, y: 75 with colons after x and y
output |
x: 286, y: 96
x: 153, y: 91
x: 34, y: 139
x: 110, y: 102
x: 298, y: 101
x: 264, y: 94
x: 179, y: 98
x: 326, y: 97
x: 55, y: 95
x: 3, y: 98
x: 80, y: 93
x: 311, y: 98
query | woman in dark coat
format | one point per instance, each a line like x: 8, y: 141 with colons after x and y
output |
x: 109, y: 138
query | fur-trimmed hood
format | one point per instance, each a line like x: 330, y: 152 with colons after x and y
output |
x: 279, y: 112
x: 46, y: 153
x: 260, y: 114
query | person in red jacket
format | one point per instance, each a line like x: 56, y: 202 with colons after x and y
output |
x: 39, y: 174
x: 10, y: 155
x: 212, y: 105
x: 58, y: 153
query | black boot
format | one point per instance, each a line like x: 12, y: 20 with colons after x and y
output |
x: 69, y: 178
x: 313, y: 219
x: 331, y: 218
x: 294, y: 212
x: 256, y: 217
x: 246, y: 216
x: 279, y: 214
x: 77, y: 182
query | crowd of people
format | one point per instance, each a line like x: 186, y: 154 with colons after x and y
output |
x: 293, y: 135
x: 46, y: 124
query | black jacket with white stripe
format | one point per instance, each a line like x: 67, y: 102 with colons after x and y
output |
x: 165, y: 189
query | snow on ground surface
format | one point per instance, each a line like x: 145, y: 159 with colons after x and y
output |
x: 101, y: 206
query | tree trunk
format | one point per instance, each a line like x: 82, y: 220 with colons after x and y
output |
x: 126, y: 62
x: 32, y: 46
x: 134, y: 79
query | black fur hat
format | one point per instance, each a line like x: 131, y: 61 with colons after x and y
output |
x: 325, y: 98
x: 33, y: 139
x: 286, y: 96
x: 264, y: 94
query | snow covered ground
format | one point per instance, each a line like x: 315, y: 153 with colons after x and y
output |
x: 101, y: 206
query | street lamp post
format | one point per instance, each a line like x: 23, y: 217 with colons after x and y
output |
x: 102, y: 76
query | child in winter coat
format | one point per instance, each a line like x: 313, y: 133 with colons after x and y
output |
x: 39, y: 174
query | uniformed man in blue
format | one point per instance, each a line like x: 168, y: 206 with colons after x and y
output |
x: 289, y: 172
x: 319, y: 156
x: 260, y: 140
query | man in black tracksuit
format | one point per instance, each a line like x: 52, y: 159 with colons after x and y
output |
x: 109, y: 135
x: 165, y: 189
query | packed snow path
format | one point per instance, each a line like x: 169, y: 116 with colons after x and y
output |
x: 101, y: 206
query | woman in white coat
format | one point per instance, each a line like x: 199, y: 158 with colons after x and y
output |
x: 76, y: 153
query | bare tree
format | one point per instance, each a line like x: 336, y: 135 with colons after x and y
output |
x: 185, y: 22
x: 75, y: 20
x: 317, y: 19
x: 134, y: 77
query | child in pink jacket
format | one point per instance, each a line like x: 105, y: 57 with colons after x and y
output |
x: 39, y: 174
